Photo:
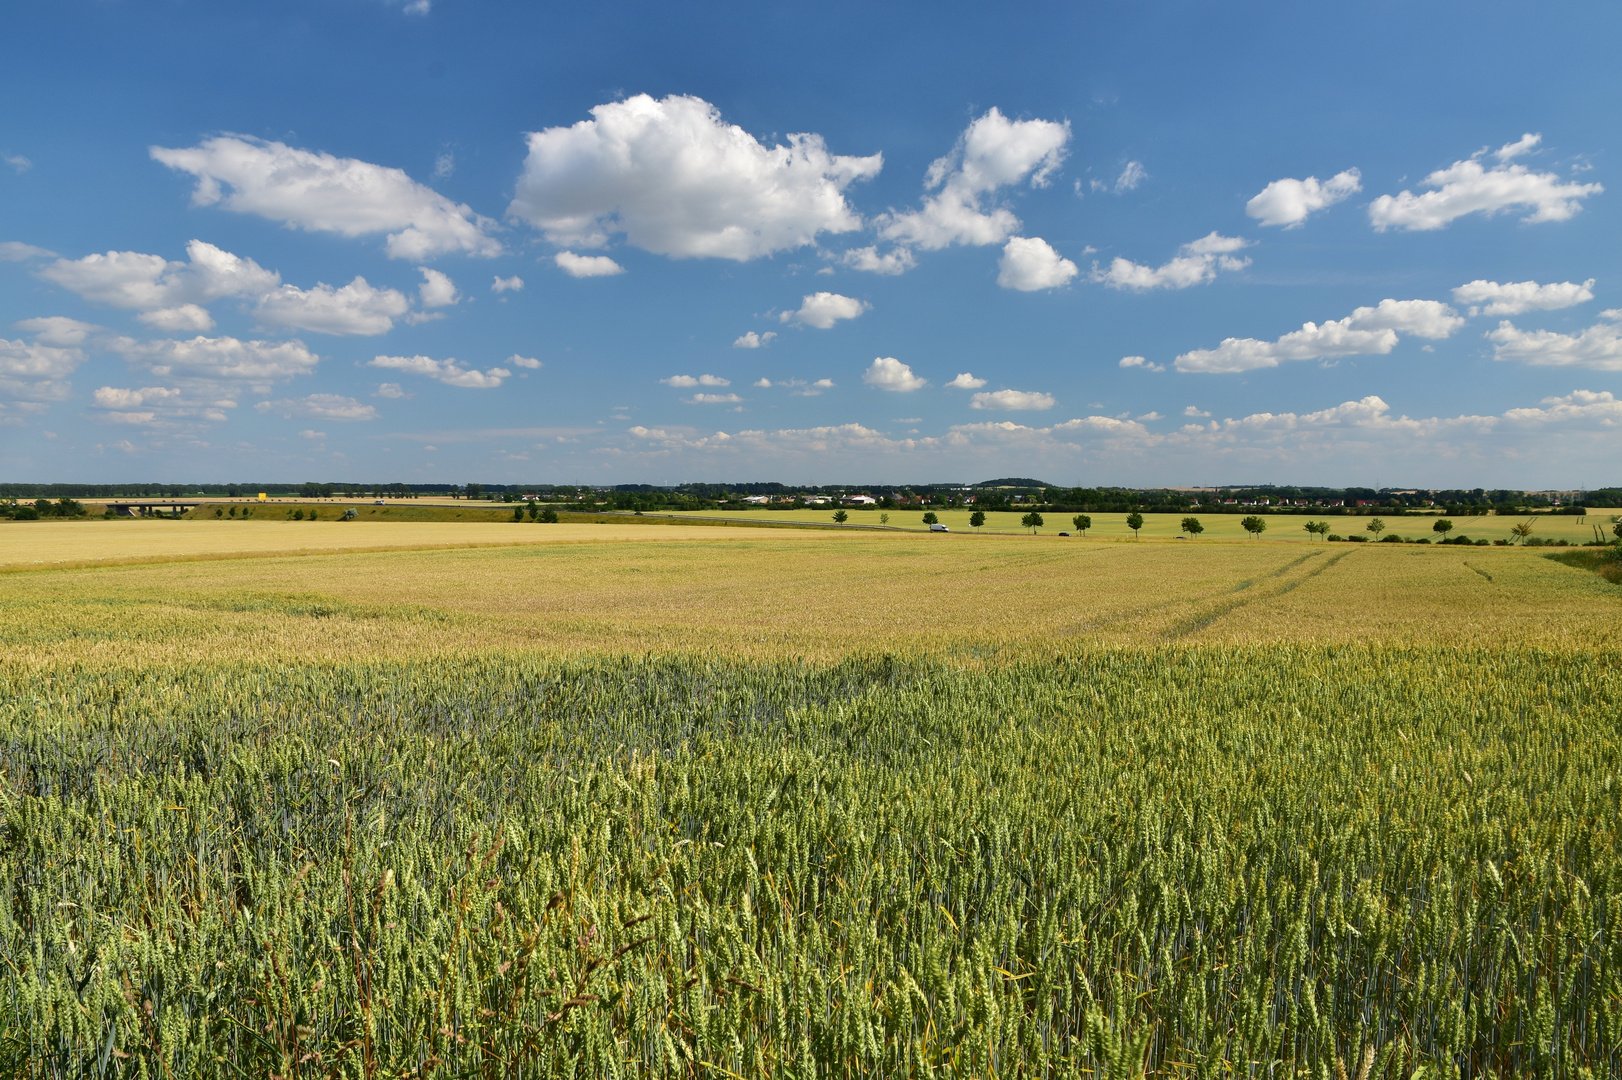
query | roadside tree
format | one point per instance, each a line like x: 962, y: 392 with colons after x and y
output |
x: 1375, y: 526
x: 1317, y: 528
x: 1192, y: 526
x: 1082, y: 523
x: 1031, y: 521
x: 1442, y: 526
x: 931, y: 519
x: 978, y: 518
x: 1522, y: 531
x: 1254, y: 525
x: 840, y: 517
x: 1134, y: 521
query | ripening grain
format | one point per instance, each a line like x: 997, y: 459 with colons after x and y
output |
x: 1215, y: 861
x: 779, y: 593
x: 806, y: 806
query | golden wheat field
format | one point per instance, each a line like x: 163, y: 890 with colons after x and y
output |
x: 58, y: 545
x: 320, y: 801
x: 211, y: 590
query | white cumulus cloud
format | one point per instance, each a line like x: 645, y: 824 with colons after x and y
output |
x: 1012, y: 400
x: 1523, y: 145
x: 677, y: 180
x: 701, y: 380
x: 752, y: 340
x: 1030, y: 263
x: 888, y: 373
x: 320, y: 407
x: 823, y: 309
x: 993, y: 153
x: 31, y: 371
x: 587, y: 265
x: 1598, y: 348
x: 1199, y: 262
x: 220, y: 357
x: 447, y: 371
x: 1422, y: 318
x: 322, y: 193
x: 355, y: 309
x: 523, y: 361
x: 1517, y: 297
x: 507, y: 284
x: 1140, y: 362
x: 1469, y: 187
x: 966, y: 381
x: 58, y: 330
x: 437, y: 289
x: 897, y: 261
x: 1366, y: 331
x: 1577, y: 406
x: 715, y: 399
x: 130, y: 279
x: 1288, y: 202
x: 113, y: 397
x: 180, y: 319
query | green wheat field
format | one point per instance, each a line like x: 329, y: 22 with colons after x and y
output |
x: 662, y: 801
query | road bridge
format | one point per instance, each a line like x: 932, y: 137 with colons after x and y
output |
x: 154, y: 508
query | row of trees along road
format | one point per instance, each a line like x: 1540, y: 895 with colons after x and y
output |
x: 1255, y: 524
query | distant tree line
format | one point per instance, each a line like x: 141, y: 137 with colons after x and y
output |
x: 41, y: 508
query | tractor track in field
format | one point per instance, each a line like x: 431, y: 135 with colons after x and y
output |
x: 1202, y: 620
x: 1222, y: 595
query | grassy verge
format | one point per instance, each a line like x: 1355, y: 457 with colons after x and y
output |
x: 1606, y: 562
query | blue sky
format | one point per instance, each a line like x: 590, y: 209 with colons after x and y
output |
x: 1100, y: 243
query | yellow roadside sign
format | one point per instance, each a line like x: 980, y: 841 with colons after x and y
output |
x: 261, y: 496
